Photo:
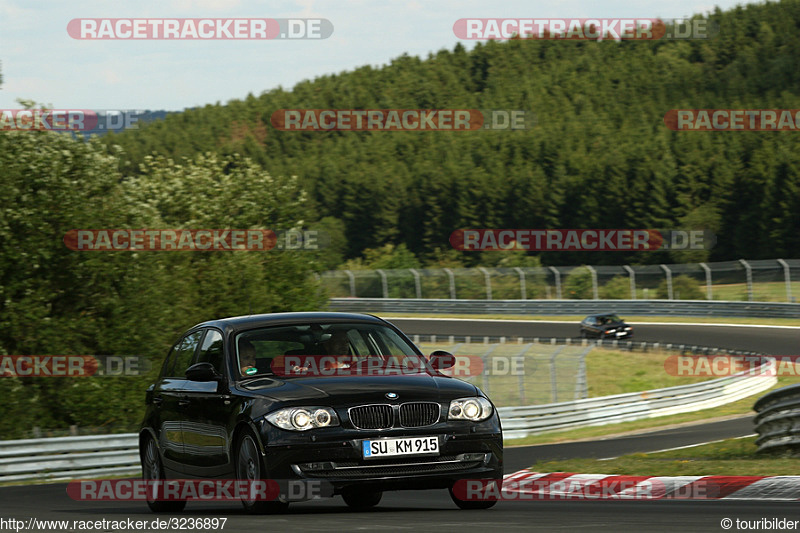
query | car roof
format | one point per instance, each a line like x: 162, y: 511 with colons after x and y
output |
x: 240, y: 323
x: 600, y: 315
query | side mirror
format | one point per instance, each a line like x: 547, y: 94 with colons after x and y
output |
x: 202, y: 372
x: 441, y: 359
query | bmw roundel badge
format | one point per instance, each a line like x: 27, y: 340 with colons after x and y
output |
x: 391, y: 395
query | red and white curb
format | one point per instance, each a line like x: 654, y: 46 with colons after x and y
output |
x: 527, y: 485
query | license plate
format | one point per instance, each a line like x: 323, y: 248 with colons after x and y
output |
x: 373, y: 449
x: 620, y: 333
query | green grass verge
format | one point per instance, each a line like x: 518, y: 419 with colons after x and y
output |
x: 630, y: 319
x: 767, y: 291
x: 611, y: 372
x: 608, y: 372
x: 740, y: 407
x: 727, y: 457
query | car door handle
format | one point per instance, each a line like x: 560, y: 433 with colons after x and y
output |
x: 158, y: 400
x: 183, y: 403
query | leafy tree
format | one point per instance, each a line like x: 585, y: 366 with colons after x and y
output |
x: 578, y: 285
x: 683, y: 288
x: 617, y: 288
x: 59, y: 301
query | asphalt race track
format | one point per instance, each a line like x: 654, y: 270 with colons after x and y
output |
x: 769, y: 340
x: 434, y: 511
x: 416, y: 511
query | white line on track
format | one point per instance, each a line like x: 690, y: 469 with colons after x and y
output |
x: 684, y: 447
x: 569, y: 322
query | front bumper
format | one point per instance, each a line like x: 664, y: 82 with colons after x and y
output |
x: 618, y: 335
x: 465, y: 452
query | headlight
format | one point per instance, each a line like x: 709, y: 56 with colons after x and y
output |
x: 303, y: 418
x: 475, y: 409
x: 612, y: 330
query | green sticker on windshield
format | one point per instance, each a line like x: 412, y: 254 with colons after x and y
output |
x: 250, y: 371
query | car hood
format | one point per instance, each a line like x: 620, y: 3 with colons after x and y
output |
x: 358, y: 389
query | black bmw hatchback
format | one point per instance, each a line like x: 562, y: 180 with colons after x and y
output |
x: 605, y: 326
x: 344, y: 399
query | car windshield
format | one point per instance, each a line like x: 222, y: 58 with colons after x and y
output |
x: 268, y: 351
x: 611, y: 319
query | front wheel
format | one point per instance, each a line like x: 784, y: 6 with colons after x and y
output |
x: 153, y: 474
x: 362, y: 499
x: 471, y: 504
x: 250, y: 467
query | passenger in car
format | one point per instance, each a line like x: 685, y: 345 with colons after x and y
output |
x: 247, y: 356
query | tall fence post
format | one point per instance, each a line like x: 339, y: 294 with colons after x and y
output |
x: 669, y: 280
x: 749, y: 273
x: 595, y: 295
x: 485, y: 373
x: 558, y: 281
x: 417, y: 285
x: 352, y: 283
x: 787, y: 276
x: 581, y: 383
x: 632, y: 276
x: 521, y: 376
x: 709, y: 295
x: 452, y: 283
x: 488, y: 280
x: 522, y: 289
x: 384, y: 283
x: 553, y: 378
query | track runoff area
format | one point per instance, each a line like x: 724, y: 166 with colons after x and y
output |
x: 545, y: 501
x: 523, y: 484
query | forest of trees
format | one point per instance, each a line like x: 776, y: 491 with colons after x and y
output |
x: 599, y: 157
x: 56, y: 301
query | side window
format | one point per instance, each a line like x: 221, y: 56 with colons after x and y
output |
x: 211, y: 350
x: 169, y: 361
x: 183, y: 355
x: 357, y: 341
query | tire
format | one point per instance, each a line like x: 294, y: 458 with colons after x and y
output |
x: 471, y: 505
x: 362, y: 499
x: 250, y: 467
x: 153, y: 471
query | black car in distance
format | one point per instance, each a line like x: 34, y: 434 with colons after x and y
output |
x: 605, y: 326
x: 243, y: 398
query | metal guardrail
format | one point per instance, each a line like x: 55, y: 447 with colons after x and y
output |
x: 83, y: 457
x: 689, y: 308
x: 519, y: 422
x: 778, y: 420
x: 63, y: 458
